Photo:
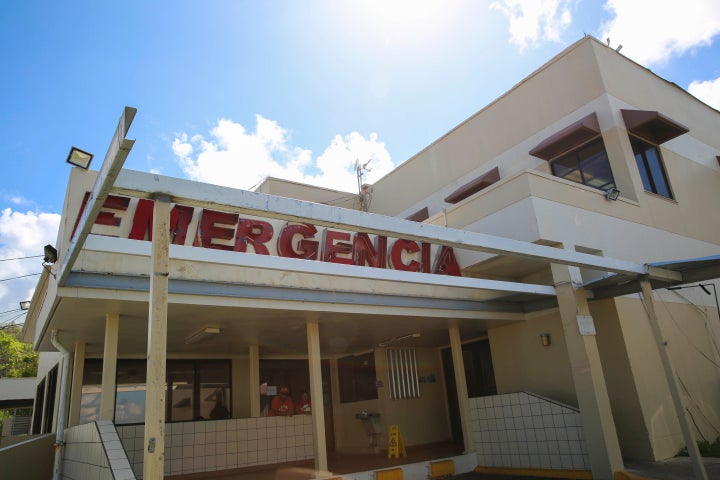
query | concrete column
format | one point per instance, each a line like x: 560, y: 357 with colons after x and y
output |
x: 254, y: 379
x: 154, y: 448
x: 590, y: 388
x: 680, y: 410
x: 316, y: 395
x: 107, y: 395
x: 77, y: 381
x: 461, y: 386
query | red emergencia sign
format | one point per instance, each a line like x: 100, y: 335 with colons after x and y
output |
x: 132, y: 218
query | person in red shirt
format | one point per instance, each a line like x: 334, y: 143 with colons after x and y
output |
x: 282, y: 404
x: 303, y: 404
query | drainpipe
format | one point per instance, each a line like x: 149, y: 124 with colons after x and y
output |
x: 60, y: 428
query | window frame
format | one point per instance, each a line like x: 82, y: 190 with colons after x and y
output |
x: 647, y: 171
x: 357, y: 378
x: 574, y: 154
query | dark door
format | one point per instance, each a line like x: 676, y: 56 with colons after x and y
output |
x: 479, y: 376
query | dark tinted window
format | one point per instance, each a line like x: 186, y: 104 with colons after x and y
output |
x: 588, y: 165
x: 650, y: 166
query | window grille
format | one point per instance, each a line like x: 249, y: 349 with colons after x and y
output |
x: 402, y: 373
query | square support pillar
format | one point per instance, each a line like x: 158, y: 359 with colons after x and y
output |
x: 77, y: 382
x: 462, y: 391
x: 154, y: 446
x: 587, y: 373
x: 316, y: 395
x: 254, y: 379
x: 109, y: 371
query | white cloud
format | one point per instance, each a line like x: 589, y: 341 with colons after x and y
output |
x: 22, y: 235
x: 234, y: 157
x: 534, y: 20
x: 652, y: 31
x: 707, y: 91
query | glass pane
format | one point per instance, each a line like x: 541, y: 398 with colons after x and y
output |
x: 562, y: 166
x: 643, y: 172
x: 130, y: 398
x: 90, y: 399
x: 657, y: 172
x: 214, y: 380
x: 597, y: 172
x: 180, y: 398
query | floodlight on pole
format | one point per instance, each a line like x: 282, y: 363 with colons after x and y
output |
x: 79, y: 158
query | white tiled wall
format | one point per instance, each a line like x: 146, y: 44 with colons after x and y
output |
x: 522, y: 430
x: 93, y: 450
x: 224, y: 444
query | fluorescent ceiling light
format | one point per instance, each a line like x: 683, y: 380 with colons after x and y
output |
x: 202, y: 334
x: 391, y: 341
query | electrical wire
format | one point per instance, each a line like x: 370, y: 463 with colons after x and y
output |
x: 10, y: 311
x: 21, y: 276
x: 687, y: 337
x: 20, y: 258
x: 703, y: 312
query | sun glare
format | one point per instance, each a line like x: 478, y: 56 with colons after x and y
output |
x: 403, y: 20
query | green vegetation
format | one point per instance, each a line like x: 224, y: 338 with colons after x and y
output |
x: 707, y: 449
x: 17, y: 359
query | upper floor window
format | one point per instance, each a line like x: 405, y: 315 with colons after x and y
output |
x: 587, y: 164
x: 577, y: 153
x: 650, y: 165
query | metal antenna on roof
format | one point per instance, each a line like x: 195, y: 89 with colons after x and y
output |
x: 364, y: 189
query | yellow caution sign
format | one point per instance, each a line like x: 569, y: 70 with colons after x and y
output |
x: 396, y: 446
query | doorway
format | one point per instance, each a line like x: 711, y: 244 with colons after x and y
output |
x: 479, y: 376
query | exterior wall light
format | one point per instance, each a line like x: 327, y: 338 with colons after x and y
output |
x: 25, y: 305
x: 545, y: 339
x: 79, y: 158
x: 50, y: 255
x: 612, y: 193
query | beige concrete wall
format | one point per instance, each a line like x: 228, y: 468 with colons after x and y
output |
x: 630, y: 424
x: 692, y: 352
x: 522, y: 363
x: 431, y: 408
x: 557, y: 89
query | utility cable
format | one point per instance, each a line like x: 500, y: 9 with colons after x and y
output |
x: 20, y: 258
x: 21, y: 276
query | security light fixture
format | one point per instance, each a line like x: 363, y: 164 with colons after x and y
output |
x: 25, y: 305
x: 612, y: 193
x: 545, y: 339
x: 50, y: 255
x: 79, y: 158
x: 402, y: 338
x: 202, y: 334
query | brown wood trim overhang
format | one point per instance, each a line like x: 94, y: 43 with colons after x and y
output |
x: 652, y: 126
x: 483, y: 181
x: 568, y: 138
x: 419, y: 216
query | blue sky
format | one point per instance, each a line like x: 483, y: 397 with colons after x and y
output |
x: 232, y: 91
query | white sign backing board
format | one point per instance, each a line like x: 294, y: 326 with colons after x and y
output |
x: 585, y: 325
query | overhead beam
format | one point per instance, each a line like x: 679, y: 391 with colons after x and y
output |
x: 115, y: 157
x: 195, y: 194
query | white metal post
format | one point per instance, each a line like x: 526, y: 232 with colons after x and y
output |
x: 109, y: 371
x: 318, y: 407
x: 680, y: 411
x: 154, y: 448
x: 461, y: 386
